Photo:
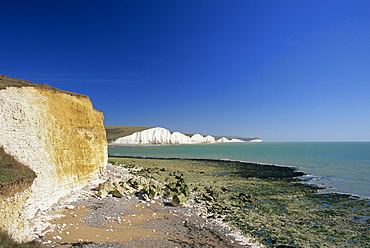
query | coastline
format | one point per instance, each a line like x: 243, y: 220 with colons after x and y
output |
x: 306, y: 179
x: 264, y: 205
x: 294, y: 169
x: 340, y: 167
x: 176, y: 144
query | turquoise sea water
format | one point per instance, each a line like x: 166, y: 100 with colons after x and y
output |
x: 342, y: 167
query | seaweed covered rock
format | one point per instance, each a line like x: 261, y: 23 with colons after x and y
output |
x: 155, y: 191
x: 211, y: 193
x: 126, y: 188
x: 180, y: 199
x: 105, y: 188
x: 138, y: 183
x: 143, y: 187
x: 179, y: 191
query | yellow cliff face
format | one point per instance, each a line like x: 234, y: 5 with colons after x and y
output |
x: 76, y: 136
x: 60, y: 136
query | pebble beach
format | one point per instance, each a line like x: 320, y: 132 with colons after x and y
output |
x: 83, y: 219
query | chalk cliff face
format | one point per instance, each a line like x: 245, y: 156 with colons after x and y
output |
x: 60, y: 136
x: 150, y: 136
x: 179, y: 138
x: 223, y: 140
x: 209, y: 139
x: 159, y: 135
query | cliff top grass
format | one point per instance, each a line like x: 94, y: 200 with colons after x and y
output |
x: 13, y: 82
x: 14, y: 176
x: 115, y: 132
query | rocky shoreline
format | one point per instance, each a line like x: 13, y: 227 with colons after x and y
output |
x: 85, y: 219
x: 272, y: 204
x: 134, y: 205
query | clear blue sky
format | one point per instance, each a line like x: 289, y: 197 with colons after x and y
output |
x: 281, y: 70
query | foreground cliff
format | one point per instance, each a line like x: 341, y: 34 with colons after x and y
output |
x: 159, y: 135
x: 59, y: 135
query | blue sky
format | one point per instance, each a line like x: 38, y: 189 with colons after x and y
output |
x: 281, y: 70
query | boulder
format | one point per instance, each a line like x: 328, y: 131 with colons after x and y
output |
x: 179, y: 199
x: 105, y: 188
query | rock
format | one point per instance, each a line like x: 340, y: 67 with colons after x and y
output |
x: 155, y: 191
x: 117, y: 193
x: 208, y: 197
x: 179, y: 191
x: 105, y: 188
x: 138, y: 183
x: 145, y: 196
x: 242, y: 198
x: 127, y: 189
x: 179, y: 199
x: 102, y: 192
x: 213, y: 192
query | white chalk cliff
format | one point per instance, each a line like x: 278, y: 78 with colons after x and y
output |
x: 223, y: 140
x: 150, y: 136
x: 179, y: 138
x: 159, y: 135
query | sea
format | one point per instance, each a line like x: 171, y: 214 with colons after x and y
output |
x: 340, y: 167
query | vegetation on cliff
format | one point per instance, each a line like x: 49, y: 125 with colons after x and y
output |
x: 13, y: 82
x: 14, y: 176
x: 8, y: 242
